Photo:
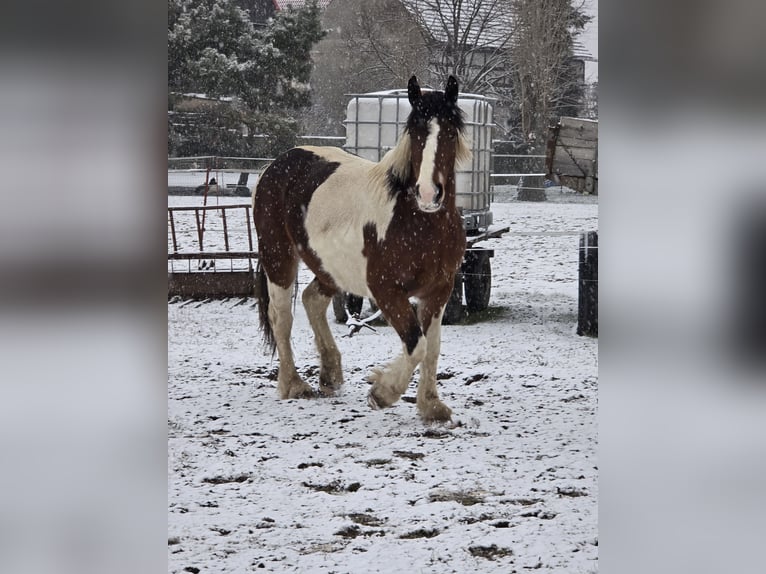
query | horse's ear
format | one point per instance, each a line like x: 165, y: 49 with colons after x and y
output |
x: 413, y: 90
x: 450, y: 92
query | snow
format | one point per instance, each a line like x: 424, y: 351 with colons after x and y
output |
x: 329, y: 485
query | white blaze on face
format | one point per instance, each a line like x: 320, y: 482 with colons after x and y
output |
x: 426, y: 188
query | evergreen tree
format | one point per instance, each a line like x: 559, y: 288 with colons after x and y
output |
x: 255, y: 77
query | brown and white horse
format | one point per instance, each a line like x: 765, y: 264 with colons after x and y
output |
x: 388, y: 231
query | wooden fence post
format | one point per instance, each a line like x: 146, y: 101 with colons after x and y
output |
x: 587, y: 312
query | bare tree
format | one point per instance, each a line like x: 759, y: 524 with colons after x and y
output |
x: 389, y: 46
x: 467, y: 38
x: 369, y: 46
x: 547, y: 78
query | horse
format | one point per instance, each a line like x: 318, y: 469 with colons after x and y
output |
x: 389, y: 231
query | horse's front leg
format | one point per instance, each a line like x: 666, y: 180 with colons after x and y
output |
x: 390, y: 382
x: 430, y: 407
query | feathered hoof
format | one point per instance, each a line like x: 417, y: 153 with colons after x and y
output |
x: 435, y: 412
x: 304, y: 394
x: 328, y: 392
x: 381, y: 394
x: 330, y: 380
x: 372, y: 400
x: 330, y: 386
x: 302, y: 391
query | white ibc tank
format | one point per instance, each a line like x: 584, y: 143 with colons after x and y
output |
x: 376, y: 120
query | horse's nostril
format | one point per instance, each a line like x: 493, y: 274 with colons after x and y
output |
x: 439, y: 192
x: 417, y: 189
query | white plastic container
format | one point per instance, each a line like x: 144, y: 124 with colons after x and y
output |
x: 376, y: 120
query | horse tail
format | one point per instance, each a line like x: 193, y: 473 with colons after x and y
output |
x: 263, y: 309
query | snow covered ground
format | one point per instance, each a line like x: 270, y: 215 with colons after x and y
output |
x: 328, y: 485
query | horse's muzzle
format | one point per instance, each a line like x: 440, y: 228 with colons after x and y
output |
x: 429, y: 199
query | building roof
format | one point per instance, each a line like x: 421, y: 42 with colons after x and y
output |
x: 482, y: 23
x: 284, y: 4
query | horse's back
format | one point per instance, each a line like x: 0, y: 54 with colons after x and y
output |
x: 317, y: 199
x: 289, y: 168
x: 336, y: 154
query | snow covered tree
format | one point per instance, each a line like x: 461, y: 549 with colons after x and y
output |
x: 253, y: 78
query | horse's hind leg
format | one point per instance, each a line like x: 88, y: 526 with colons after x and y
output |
x: 431, y: 408
x: 290, y: 385
x: 330, y: 372
x: 391, y: 381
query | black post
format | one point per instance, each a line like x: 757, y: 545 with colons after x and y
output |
x: 587, y: 313
x: 531, y: 188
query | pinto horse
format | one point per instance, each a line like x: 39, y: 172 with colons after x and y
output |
x: 389, y: 231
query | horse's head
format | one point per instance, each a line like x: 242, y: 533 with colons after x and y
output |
x: 435, y: 128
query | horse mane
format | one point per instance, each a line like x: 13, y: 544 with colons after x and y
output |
x: 395, y: 164
x: 463, y: 153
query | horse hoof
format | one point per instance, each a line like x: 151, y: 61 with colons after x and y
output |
x: 373, y: 402
x: 328, y: 392
x: 436, y: 412
x: 302, y: 393
x: 330, y: 380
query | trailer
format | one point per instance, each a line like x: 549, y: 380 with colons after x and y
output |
x: 211, y: 247
x: 209, y: 254
x: 374, y: 122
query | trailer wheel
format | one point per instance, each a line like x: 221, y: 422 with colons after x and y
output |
x: 342, y: 300
x: 453, y: 311
x: 478, y: 280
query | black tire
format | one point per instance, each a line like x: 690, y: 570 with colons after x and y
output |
x: 342, y: 300
x: 339, y: 308
x: 354, y: 303
x: 453, y: 311
x: 477, y: 280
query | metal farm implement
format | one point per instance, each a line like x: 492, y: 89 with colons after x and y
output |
x: 225, y: 268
